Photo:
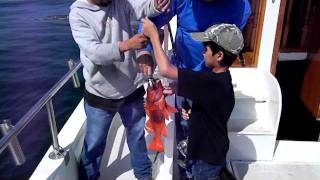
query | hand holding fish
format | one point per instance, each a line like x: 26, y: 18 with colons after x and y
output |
x: 149, y: 29
x: 145, y: 64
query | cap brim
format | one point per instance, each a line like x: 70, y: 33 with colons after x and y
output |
x: 200, y: 36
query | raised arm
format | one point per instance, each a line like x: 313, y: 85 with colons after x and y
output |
x: 144, y: 57
x: 166, y: 68
x: 150, y: 8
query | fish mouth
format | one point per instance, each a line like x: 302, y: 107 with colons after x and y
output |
x: 153, y: 82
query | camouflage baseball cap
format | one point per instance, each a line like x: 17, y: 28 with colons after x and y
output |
x: 228, y: 36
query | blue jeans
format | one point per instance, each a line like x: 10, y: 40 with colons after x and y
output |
x: 98, y: 123
x: 182, y: 131
x: 205, y: 171
x: 182, y: 126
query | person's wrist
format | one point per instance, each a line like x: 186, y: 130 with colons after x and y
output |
x: 154, y: 37
x: 124, y: 46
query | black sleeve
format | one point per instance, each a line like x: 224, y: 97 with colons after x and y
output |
x: 190, y: 84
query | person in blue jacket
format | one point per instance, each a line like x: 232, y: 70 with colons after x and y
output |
x: 194, y: 16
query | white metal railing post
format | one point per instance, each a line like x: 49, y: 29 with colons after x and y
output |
x: 57, y: 152
x: 14, y: 145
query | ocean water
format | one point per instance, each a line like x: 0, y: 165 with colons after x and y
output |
x: 35, y: 44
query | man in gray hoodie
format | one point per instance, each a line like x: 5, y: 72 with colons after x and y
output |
x: 104, y: 32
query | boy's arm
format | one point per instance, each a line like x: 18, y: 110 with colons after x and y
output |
x: 148, y: 8
x: 189, y: 81
x: 161, y: 20
x: 165, y: 67
x: 144, y: 57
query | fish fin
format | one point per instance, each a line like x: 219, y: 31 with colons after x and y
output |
x: 165, y: 114
x: 164, y: 131
x: 148, y: 113
x: 156, y: 145
x: 151, y: 107
x: 149, y: 127
x: 171, y: 109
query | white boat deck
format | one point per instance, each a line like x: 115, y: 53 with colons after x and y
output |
x: 116, y: 161
x: 276, y: 170
x: 254, y: 152
x: 293, y: 160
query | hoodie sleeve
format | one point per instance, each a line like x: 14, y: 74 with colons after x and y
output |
x: 142, y: 8
x: 98, y: 52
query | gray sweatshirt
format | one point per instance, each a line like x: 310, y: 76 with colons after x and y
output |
x: 98, y: 31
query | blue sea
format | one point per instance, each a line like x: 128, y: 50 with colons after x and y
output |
x: 35, y: 44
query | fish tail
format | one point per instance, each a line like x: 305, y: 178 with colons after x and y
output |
x: 165, y: 114
x: 149, y: 126
x: 156, y: 144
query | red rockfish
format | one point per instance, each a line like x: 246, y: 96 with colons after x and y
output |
x: 158, y: 111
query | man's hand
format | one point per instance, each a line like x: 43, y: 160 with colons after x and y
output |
x: 138, y: 41
x: 185, y: 114
x: 169, y: 87
x: 162, y: 5
x: 145, y: 63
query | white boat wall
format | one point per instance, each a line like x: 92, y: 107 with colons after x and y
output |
x: 254, y: 151
x: 253, y: 124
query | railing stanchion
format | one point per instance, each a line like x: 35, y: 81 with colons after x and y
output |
x: 58, y: 152
x: 14, y: 145
x: 75, y: 78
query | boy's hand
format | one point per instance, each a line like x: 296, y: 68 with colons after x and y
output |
x: 145, y: 63
x: 149, y: 29
x: 185, y: 114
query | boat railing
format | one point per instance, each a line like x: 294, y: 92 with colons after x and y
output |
x: 11, y: 132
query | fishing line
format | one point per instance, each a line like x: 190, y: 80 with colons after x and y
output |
x: 156, y: 157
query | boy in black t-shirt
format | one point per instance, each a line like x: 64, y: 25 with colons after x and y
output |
x: 211, y: 93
